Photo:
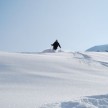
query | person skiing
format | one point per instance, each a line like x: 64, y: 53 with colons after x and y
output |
x: 55, y: 45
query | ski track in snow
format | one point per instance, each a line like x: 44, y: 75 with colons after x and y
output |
x: 88, y: 59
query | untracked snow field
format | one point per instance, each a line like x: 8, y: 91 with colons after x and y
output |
x: 54, y: 80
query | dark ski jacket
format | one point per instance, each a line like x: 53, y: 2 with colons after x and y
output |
x: 56, y: 45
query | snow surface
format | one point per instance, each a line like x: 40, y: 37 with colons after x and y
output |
x: 100, y: 101
x: 54, y: 80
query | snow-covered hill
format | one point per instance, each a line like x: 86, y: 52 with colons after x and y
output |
x: 54, y: 80
x: 100, y: 48
x: 99, y: 101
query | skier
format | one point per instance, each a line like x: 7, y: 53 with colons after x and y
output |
x: 55, y: 45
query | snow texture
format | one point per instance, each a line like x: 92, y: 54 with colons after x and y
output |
x: 100, y: 101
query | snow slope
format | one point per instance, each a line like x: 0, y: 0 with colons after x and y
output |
x: 100, y: 101
x: 54, y: 80
x: 99, y: 48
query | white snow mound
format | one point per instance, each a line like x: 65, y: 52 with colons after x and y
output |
x: 51, y: 51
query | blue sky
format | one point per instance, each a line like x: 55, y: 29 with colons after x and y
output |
x: 32, y: 25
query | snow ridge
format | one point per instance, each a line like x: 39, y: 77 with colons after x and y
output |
x: 99, y: 48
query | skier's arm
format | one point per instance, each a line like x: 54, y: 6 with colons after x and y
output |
x: 59, y: 46
x: 53, y: 44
